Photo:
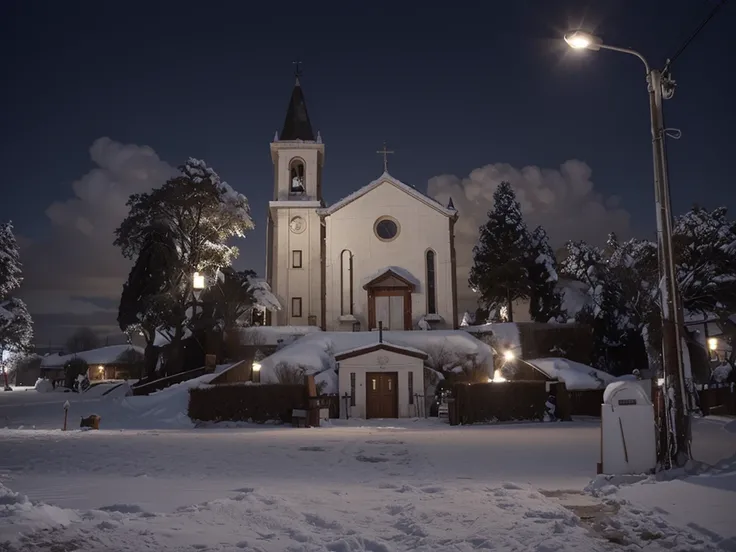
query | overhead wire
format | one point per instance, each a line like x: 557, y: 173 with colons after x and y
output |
x: 695, y: 33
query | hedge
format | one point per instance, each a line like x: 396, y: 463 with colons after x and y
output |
x: 243, y: 403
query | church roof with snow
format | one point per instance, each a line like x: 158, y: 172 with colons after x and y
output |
x: 388, y: 179
x: 297, y: 125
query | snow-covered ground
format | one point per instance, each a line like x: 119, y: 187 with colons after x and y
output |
x: 354, y: 486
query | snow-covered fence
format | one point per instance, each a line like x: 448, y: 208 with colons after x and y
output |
x: 490, y: 402
x: 247, y: 402
x: 718, y: 400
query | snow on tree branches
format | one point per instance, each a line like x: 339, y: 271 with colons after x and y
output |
x: 545, y: 299
x: 10, y: 266
x: 201, y: 211
x: 16, y: 326
x: 172, y: 232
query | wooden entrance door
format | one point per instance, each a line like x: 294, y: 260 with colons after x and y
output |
x: 390, y: 311
x: 381, y: 395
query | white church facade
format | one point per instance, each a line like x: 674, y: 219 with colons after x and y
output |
x: 384, y: 254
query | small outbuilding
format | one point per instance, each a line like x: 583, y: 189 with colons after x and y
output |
x: 381, y: 380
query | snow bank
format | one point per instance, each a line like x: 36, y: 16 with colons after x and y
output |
x: 504, y: 336
x: 576, y: 376
x: 315, y: 352
x: 270, y: 335
x: 103, y: 355
x: 44, y: 386
x: 19, y: 516
x: 165, y: 409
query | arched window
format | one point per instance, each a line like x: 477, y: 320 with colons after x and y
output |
x: 297, y: 184
x: 346, y: 282
x: 431, y: 283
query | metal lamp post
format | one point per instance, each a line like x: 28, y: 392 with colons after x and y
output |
x: 660, y: 87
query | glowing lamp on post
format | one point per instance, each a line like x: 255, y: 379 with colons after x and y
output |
x: 256, y: 372
x: 498, y: 377
x: 580, y: 40
x: 712, y: 343
x: 198, y: 282
x: 508, y: 355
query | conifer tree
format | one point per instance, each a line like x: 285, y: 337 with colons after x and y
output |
x: 545, y: 299
x: 16, y: 325
x: 501, y: 258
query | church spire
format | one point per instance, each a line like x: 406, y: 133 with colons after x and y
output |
x: 297, y: 125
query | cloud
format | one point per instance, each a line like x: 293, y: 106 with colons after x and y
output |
x: 564, y: 201
x: 76, y: 270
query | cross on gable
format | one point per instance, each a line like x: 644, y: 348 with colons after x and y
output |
x: 297, y: 68
x: 385, y: 154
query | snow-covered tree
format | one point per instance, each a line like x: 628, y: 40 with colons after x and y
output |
x: 201, y: 213
x: 705, y: 250
x: 545, y: 299
x: 10, y: 266
x: 500, y: 259
x: 614, y: 331
x: 16, y: 326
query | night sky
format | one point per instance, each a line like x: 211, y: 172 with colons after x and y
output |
x: 101, y: 99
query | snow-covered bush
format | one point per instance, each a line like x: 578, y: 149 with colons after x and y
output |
x: 44, y: 386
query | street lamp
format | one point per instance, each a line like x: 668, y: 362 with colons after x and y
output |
x: 660, y: 87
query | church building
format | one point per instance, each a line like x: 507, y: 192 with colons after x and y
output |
x: 384, y: 253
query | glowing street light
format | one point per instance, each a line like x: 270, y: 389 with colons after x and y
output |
x: 660, y: 87
x: 712, y: 343
x: 580, y: 40
x: 508, y: 355
x: 498, y: 377
x: 198, y: 283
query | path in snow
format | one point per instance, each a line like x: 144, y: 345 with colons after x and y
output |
x: 415, y: 486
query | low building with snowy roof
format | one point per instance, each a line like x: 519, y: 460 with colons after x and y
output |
x: 381, y: 374
x: 112, y: 362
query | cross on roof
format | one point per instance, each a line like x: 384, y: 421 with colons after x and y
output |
x: 297, y: 68
x: 385, y: 154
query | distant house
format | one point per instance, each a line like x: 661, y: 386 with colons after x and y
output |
x: 105, y: 363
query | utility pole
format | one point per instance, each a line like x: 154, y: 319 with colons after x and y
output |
x: 674, y: 446
x: 676, y: 450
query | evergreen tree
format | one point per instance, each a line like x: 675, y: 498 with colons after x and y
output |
x: 545, y: 299
x: 200, y: 213
x: 10, y: 267
x: 16, y: 326
x: 146, y: 302
x: 500, y: 259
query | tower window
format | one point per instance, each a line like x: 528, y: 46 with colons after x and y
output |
x: 296, y: 177
x: 346, y: 282
x: 296, y: 307
x: 431, y: 284
x: 296, y: 258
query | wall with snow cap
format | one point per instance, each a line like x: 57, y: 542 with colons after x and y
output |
x: 421, y: 227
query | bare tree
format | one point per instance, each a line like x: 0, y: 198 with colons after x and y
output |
x: 83, y: 339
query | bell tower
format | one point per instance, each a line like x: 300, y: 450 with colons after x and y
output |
x: 295, y: 235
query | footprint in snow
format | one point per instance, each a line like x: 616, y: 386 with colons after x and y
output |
x: 371, y: 459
